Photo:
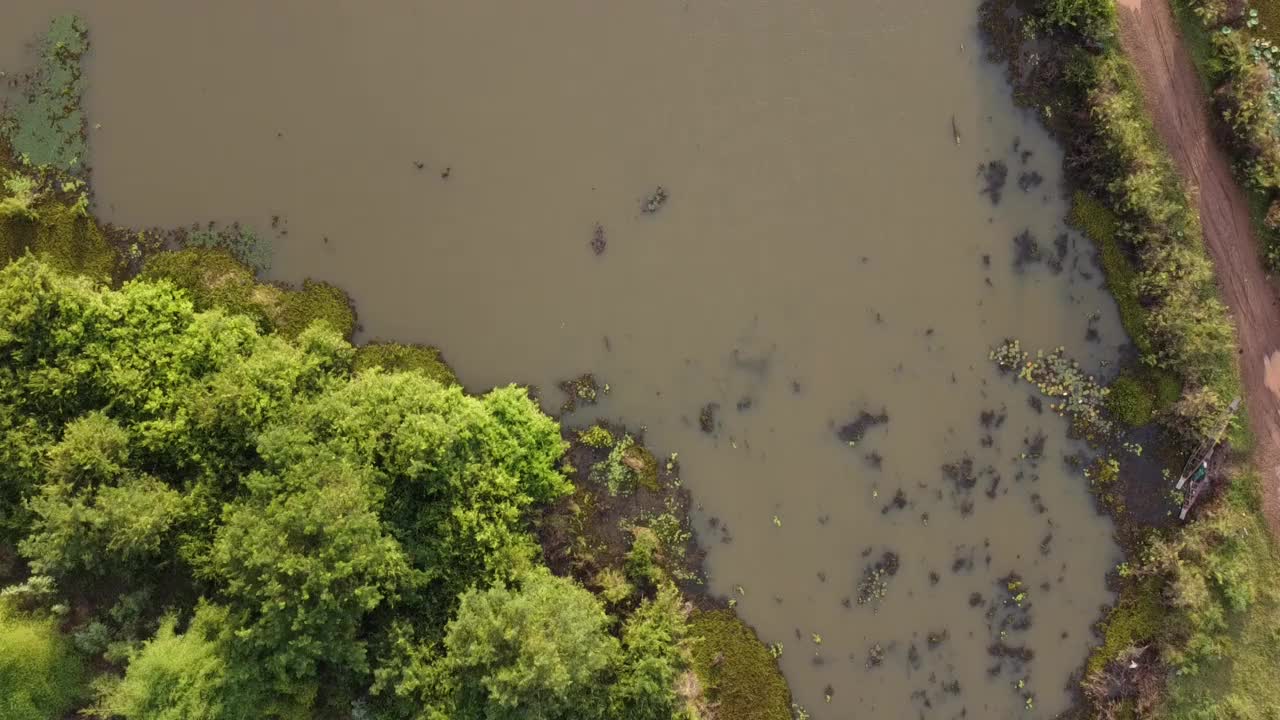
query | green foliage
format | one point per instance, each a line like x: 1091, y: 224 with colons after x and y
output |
x: 314, y: 302
x: 40, y: 676
x: 396, y: 357
x: 653, y: 655
x: 21, y: 192
x: 1129, y: 402
x: 596, y: 436
x: 1185, y: 323
x: 1100, y: 225
x: 614, y: 586
x: 533, y: 653
x: 328, y: 513
x: 185, y: 677
x: 628, y: 466
x: 45, y: 124
x: 1221, y: 574
x: 1137, y: 618
x: 642, y: 563
x: 1095, y: 20
x: 736, y: 669
x: 215, y: 279
x: 302, y: 562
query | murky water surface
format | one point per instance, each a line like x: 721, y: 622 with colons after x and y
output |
x: 825, y: 250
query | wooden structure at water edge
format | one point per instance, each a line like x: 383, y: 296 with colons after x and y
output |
x: 1195, y: 474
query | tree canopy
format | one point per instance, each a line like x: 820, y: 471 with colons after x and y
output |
x: 254, y: 526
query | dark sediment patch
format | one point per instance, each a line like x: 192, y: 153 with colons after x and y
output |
x: 1028, y: 180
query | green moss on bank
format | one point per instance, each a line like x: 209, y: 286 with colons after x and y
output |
x: 40, y: 676
x: 736, y: 670
x: 58, y: 233
x: 213, y: 278
x: 397, y: 357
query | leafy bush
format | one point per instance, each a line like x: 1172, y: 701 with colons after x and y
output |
x: 1094, y: 20
x: 1130, y: 402
x: 533, y: 653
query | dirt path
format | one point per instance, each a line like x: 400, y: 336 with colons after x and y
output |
x: 1150, y: 36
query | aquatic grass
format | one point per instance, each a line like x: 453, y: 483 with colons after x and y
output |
x: 740, y: 675
x: 45, y: 125
x: 243, y: 243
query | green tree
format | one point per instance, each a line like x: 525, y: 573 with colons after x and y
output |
x: 653, y: 655
x: 302, y: 562
x: 184, y: 677
x: 537, y: 652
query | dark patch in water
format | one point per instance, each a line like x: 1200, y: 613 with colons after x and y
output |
x: 1026, y: 250
x: 994, y: 175
x: 707, y: 418
x: 598, y: 241
x: 851, y: 433
x: 898, y: 502
x: 1029, y: 179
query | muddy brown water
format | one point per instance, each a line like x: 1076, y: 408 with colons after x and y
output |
x: 821, y: 254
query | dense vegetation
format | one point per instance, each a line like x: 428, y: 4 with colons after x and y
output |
x: 248, y: 527
x: 1193, y: 633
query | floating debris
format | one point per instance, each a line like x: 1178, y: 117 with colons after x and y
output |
x: 655, y: 201
x: 598, y: 240
x: 583, y: 389
x: 707, y: 418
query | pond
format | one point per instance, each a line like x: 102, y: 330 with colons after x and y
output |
x: 843, y: 186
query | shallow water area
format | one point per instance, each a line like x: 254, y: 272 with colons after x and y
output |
x: 828, y: 246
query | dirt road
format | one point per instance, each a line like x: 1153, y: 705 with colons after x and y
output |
x: 1175, y: 97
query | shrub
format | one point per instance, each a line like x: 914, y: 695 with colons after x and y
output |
x: 1093, y: 19
x: 596, y: 436
x: 1129, y: 401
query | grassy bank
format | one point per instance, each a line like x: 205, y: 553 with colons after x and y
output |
x: 1187, y: 637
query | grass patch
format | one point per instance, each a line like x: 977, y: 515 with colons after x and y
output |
x: 736, y: 669
x: 1224, y: 580
x: 1099, y: 224
x: 396, y: 357
x: 213, y: 278
x: 1137, y: 617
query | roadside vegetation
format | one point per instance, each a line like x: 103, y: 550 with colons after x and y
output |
x: 212, y: 505
x: 1236, y: 48
x: 1193, y: 634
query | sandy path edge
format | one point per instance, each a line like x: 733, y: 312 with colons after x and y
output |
x: 1171, y: 87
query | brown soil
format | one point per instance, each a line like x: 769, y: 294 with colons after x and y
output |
x: 1176, y: 99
